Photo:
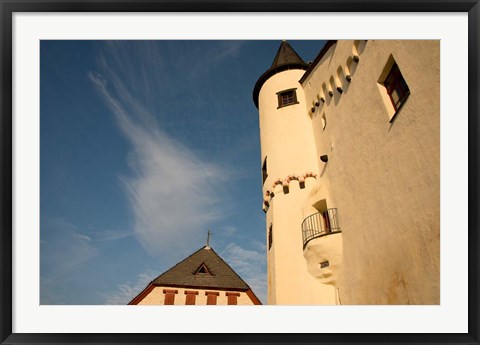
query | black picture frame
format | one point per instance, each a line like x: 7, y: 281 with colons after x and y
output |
x: 8, y: 7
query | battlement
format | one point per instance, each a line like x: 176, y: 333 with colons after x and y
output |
x: 335, y: 78
x: 285, y: 187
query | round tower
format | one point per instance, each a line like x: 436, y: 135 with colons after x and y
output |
x: 289, y: 172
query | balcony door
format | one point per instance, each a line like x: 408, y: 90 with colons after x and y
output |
x: 322, y: 208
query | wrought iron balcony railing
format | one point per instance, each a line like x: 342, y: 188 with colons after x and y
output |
x: 320, y: 224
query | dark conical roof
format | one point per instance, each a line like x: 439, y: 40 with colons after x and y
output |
x: 286, y: 58
x: 202, y: 269
x: 286, y: 55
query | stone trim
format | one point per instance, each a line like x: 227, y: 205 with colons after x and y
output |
x: 285, y: 183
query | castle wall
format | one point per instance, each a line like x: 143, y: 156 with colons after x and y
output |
x: 382, y: 175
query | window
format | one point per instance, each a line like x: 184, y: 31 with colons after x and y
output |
x: 190, y: 297
x: 169, y: 296
x: 232, y: 297
x: 393, y: 88
x: 264, y: 171
x: 287, y: 97
x: 211, y: 297
x: 203, y: 269
x: 270, y: 236
x: 397, y: 88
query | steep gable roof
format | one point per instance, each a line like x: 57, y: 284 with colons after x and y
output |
x: 202, y: 269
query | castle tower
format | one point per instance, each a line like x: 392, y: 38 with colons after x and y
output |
x: 290, y: 169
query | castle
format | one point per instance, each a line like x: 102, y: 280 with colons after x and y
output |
x: 350, y: 159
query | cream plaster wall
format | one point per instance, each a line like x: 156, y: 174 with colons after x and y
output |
x: 383, y: 177
x: 157, y: 297
x: 325, y: 249
x: 287, y: 141
x: 292, y: 283
x: 285, y: 134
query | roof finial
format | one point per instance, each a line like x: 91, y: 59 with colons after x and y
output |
x: 208, y: 238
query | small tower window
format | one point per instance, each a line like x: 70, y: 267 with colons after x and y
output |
x: 287, y: 97
x: 270, y: 236
x: 397, y: 88
x: 264, y: 171
x: 324, y: 264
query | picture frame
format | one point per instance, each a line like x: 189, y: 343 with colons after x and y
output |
x: 8, y: 8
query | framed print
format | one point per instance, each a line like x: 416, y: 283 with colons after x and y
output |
x: 239, y: 171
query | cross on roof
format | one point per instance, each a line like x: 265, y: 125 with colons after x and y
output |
x: 208, y: 237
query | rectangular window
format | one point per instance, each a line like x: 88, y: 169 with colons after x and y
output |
x: 264, y: 170
x: 270, y: 237
x: 212, y: 297
x: 232, y: 297
x: 190, y: 297
x: 397, y: 88
x: 170, y: 296
x: 324, y: 264
x: 287, y: 97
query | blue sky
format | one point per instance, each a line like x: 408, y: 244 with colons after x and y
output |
x: 144, y: 146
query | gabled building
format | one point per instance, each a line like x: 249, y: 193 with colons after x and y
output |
x: 203, y: 278
x: 350, y: 160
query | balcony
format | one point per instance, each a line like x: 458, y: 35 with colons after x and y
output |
x: 320, y: 224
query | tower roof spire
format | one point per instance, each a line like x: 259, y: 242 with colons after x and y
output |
x: 286, y: 59
x: 286, y: 55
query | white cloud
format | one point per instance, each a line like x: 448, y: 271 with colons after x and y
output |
x: 250, y: 266
x: 125, y: 292
x: 84, y: 237
x: 173, y: 193
x: 110, y: 235
x: 228, y: 230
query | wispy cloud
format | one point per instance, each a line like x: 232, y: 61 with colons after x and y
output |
x: 125, y: 292
x: 228, y: 230
x: 221, y: 52
x: 250, y: 265
x: 173, y: 193
x: 64, y: 249
x: 110, y: 235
